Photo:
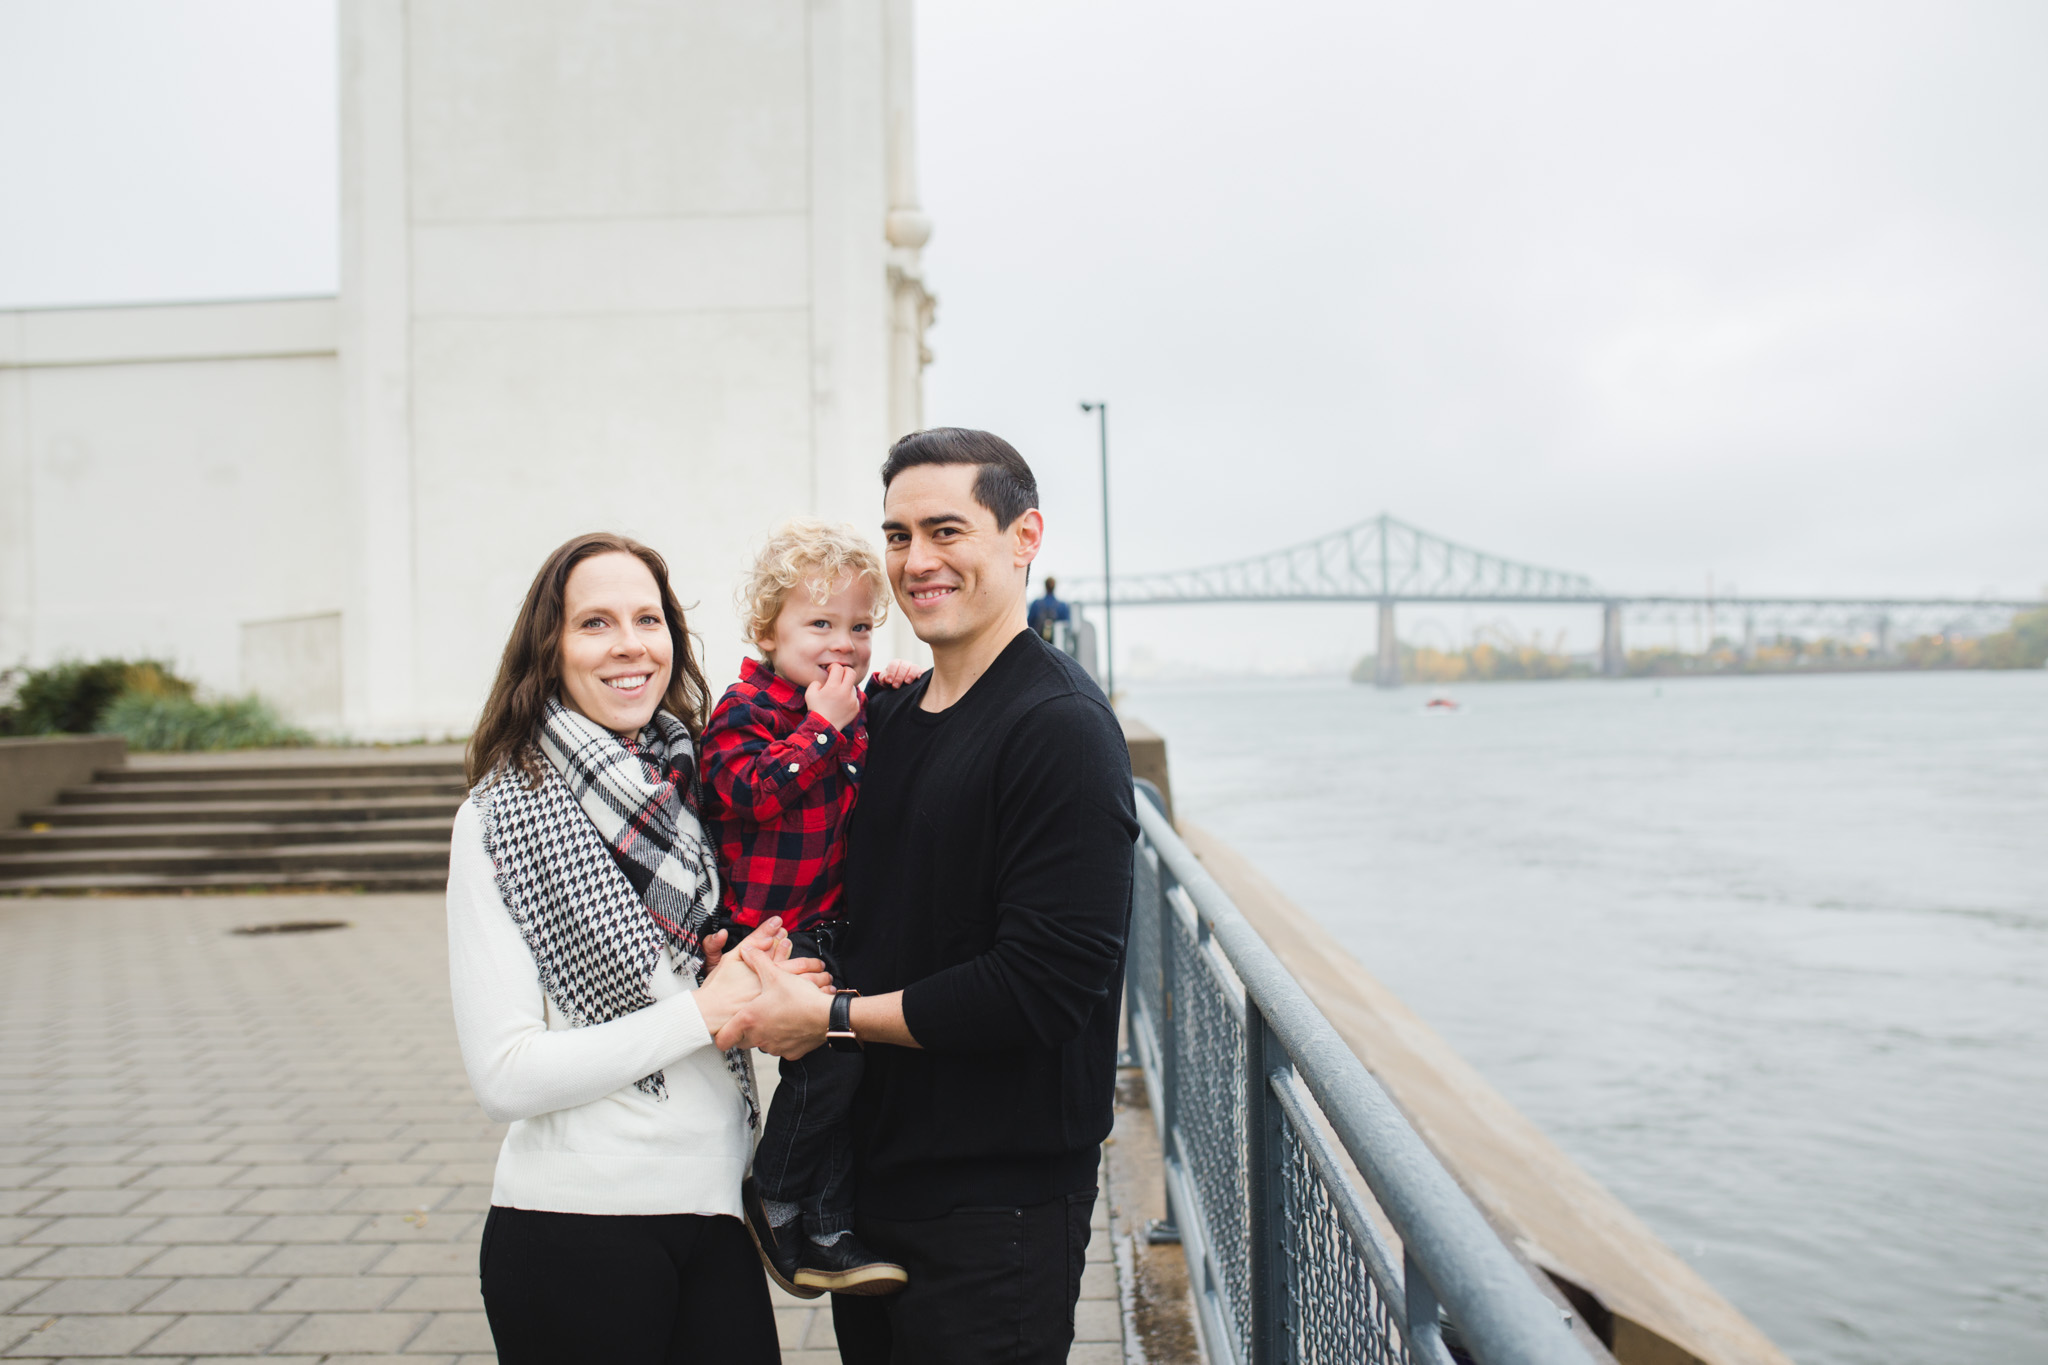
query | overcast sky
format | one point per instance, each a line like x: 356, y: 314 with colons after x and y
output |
x: 1644, y: 291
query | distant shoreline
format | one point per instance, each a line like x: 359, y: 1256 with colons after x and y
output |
x: 1587, y: 674
x: 1173, y: 680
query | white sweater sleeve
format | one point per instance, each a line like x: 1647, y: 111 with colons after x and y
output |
x: 516, y: 1064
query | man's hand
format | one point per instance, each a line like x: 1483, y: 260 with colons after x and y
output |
x: 833, y: 696
x: 898, y: 673
x: 788, y: 1016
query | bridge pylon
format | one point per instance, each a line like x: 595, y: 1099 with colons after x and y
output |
x: 1386, y: 671
x: 1613, y: 656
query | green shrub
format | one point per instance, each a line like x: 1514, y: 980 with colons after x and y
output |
x: 182, y: 723
x: 141, y: 699
x: 69, y: 698
x: 2023, y: 645
x: 149, y: 678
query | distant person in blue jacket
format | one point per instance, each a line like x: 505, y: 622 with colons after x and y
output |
x: 1047, y: 610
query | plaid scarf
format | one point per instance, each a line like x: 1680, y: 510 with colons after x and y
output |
x: 605, y: 868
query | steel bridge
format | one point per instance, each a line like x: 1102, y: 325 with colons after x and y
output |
x: 1387, y: 561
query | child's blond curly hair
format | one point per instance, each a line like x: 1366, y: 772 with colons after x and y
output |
x: 819, y: 557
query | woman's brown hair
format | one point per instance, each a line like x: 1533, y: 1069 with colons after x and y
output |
x: 507, y: 734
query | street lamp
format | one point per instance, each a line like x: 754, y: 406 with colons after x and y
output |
x: 1101, y: 411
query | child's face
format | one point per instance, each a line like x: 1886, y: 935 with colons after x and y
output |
x: 808, y: 638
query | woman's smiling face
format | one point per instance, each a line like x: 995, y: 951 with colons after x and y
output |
x: 616, y: 649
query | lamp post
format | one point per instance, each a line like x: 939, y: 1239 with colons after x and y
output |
x: 1101, y: 411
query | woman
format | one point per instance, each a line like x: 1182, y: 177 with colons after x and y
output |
x: 577, y: 885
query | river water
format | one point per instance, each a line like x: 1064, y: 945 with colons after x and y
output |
x: 1768, y: 956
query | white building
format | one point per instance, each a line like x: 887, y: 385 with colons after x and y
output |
x: 605, y: 265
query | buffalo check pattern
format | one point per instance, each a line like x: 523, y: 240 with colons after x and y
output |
x: 780, y: 782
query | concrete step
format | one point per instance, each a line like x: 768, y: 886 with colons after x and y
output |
x: 245, y: 772
x: 279, y: 819
x: 331, y: 859
x: 369, y: 809
x: 195, y: 883
x: 249, y: 789
x: 244, y: 834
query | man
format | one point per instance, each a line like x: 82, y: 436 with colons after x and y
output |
x: 988, y: 887
x: 1048, y: 611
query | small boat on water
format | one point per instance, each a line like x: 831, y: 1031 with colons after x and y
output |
x: 1440, y: 704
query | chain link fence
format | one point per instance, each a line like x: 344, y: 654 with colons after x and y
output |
x: 1268, y: 1125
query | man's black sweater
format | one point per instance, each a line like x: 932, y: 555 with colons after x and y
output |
x: 989, y: 879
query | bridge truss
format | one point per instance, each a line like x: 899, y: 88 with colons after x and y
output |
x: 1383, y: 559
x: 1386, y: 561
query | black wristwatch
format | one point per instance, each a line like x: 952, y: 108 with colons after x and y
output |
x: 839, y: 1024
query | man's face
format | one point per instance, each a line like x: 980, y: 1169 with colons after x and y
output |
x: 955, y: 573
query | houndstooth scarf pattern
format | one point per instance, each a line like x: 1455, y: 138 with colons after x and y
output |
x: 604, y: 868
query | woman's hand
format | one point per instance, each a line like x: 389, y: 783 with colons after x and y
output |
x: 730, y: 982
x: 712, y: 946
x: 811, y: 970
x: 780, y: 949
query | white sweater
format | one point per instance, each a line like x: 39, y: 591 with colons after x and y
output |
x: 583, y: 1140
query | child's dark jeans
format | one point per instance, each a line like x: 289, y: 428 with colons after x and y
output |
x: 806, y: 1152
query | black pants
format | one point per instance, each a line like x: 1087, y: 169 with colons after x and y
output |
x: 806, y: 1151
x: 667, y: 1289
x: 987, y: 1287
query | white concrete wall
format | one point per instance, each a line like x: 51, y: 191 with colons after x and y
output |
x: 606, y: 266
x: 295, y: 664
x: 166, y: 474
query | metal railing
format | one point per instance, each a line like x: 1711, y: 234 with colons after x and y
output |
x: 1248, y: 1083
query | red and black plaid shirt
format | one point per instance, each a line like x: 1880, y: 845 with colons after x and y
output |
x: 779, y: 787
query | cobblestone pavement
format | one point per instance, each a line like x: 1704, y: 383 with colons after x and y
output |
x: 221, y: 1147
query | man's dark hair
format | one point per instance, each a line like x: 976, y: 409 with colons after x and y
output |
x: 1004, y: 485
x: 1048, y: 586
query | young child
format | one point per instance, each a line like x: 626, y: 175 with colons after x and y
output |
x: 781, y: 765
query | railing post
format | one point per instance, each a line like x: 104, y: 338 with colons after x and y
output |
x: 1168, y: 1027
x: 1425, y: 1340
x: 1265, y: 1152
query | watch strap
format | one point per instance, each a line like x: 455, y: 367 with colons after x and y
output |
x: 839, y: 1023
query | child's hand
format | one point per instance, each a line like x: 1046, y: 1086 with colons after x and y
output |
x: 833, y: 696
x: 898, y: 673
